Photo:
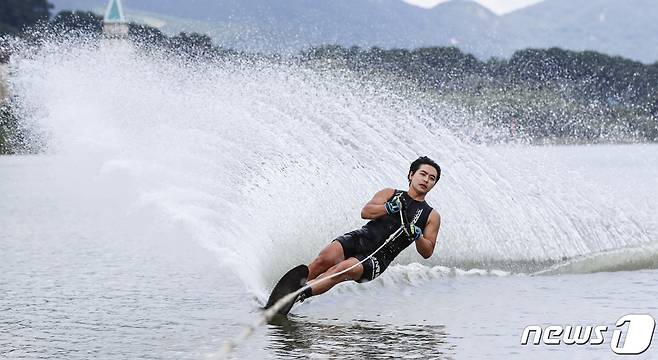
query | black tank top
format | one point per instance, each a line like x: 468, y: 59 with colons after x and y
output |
x: 378, y: 230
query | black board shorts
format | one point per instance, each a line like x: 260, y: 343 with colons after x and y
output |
x: 356, y: 244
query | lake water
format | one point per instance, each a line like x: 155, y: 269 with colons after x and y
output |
x: 85, y: 276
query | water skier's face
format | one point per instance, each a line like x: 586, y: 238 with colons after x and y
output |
x: 424, y: 179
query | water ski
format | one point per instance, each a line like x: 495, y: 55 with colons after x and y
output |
x: 289, y: 283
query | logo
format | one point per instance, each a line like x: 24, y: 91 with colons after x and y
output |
x: 632, y: 334
x: 417, y: 216
x: 375, y: 267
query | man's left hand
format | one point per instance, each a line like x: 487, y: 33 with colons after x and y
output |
x: 413, y: 231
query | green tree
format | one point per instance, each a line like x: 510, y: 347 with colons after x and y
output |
x: 18, y: 14
x: 192, y: 44
x: 147, y: 35
x: 83, y: 21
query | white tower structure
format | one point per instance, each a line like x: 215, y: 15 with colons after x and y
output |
x: 114, y: 23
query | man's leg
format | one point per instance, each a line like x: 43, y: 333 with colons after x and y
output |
x: 324, y: 285
x: 328, y: 257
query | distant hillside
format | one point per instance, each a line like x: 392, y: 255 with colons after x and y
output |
x: 627, y: 28
x: 615, y: 27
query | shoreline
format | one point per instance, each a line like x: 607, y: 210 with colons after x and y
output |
x: 4, y: 92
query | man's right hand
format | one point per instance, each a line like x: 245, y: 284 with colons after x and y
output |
x: 376, y: 207
x: 393, y: 206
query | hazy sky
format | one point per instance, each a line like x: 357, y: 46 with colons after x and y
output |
x: 497, y: 6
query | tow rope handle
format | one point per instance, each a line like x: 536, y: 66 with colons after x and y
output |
x: 404, y: 220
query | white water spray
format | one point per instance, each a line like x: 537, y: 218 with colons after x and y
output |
x: 265, y: 164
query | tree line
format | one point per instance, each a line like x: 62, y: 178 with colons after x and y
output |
x: 552, y: 95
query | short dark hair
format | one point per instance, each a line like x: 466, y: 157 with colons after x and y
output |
x: 424, y: 160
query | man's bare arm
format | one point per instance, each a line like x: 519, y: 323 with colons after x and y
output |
x: 425, y: 245
x: 375, y: 207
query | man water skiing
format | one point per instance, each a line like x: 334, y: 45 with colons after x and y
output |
x: 383, y: 211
